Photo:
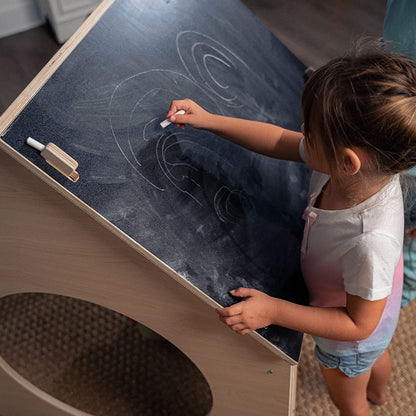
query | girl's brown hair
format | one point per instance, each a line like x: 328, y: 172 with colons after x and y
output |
x: 367, y: 101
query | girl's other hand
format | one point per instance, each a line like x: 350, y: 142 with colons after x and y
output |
x: 255, y: 311
x: 195, y: 115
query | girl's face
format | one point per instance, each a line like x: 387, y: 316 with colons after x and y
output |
x: 315, y: 155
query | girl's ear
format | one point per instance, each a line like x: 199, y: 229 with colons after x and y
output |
x: 351, y: 161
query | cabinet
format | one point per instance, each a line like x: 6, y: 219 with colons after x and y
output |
x: 65, y: 16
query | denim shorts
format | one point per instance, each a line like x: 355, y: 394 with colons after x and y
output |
x: 351, y: 365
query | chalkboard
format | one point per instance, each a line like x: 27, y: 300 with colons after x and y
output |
x: 219, y: 215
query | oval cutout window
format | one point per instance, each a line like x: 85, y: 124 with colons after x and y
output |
x: 97, y: 360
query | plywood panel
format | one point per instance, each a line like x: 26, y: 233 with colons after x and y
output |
x: 49, y: 245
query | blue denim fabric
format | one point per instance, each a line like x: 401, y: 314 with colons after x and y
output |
x: 351, y: 365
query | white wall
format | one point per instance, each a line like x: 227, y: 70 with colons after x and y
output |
x: 19, y: 15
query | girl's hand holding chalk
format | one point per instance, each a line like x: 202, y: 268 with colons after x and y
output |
x: 187, y: 112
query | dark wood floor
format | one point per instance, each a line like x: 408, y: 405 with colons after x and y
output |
x: 22, y: 56
x: 318, y: 30
x: 314, y: 30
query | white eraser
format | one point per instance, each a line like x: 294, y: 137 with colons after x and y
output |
x: 166, y: 122
x: 35, y: 144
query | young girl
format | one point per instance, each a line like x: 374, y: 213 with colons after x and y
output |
x: 359, y: 132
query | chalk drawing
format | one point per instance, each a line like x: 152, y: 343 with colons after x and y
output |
x: 135, y: 101
x: 195, y: 49
x: 230, y: 203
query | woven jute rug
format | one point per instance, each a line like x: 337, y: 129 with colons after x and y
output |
x: 105, y: 364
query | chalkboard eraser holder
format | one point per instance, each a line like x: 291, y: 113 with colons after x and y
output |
x: 57, y: 158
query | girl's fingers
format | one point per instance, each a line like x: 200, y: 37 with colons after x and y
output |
x: 233, y: 320
x: 177, y: 105
x: 172, y: 110
x: 238, y: 327
x: 230, y: 311
x: 243, y: 292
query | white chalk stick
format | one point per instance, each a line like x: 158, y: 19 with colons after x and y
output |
x: 35, y: 144
x: 166, y: 122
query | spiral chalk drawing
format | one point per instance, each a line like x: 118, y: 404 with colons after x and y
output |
x: 136, y: 99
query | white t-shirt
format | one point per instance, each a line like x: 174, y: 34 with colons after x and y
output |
x: 356, y: 251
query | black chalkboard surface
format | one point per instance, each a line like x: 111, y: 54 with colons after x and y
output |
x: 219, y: 215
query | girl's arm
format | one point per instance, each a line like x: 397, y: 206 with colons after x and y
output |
x: 354, y: 322
x: 264, y: 138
